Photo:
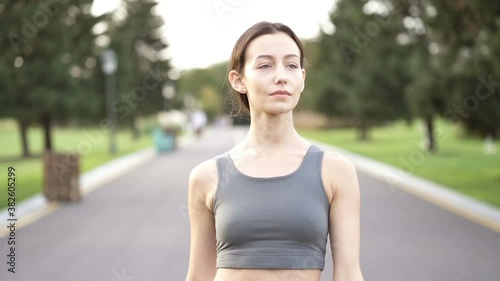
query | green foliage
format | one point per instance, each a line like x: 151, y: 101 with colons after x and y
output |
x: 50, y: 67
x: 452, y: 80
x: 209, y: 86
x: 211, y: 102
x: 361, y: 68
x: 47, y: 64
x: 47, y: 60
x: 142, y: 69
x: 391, y: 59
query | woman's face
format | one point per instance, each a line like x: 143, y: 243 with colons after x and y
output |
x: 273, y: 77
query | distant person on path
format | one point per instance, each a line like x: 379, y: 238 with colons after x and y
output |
x: 263, y: 209
x: 198, y: 121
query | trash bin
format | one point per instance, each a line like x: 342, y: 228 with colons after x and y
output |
x: 61, y: 177
x: 164, y: 141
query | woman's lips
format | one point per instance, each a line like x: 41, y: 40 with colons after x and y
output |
x: 280, y: 93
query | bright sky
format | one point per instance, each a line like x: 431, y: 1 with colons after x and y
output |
x: 203, y: 32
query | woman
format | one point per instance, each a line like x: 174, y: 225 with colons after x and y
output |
x: 263, y: 210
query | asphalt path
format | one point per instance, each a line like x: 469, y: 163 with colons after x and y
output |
x: 136, y: 227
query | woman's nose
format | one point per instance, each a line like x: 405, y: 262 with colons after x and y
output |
x: 280, y: 75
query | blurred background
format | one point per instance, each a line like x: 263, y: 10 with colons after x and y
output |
x: 411, y: 83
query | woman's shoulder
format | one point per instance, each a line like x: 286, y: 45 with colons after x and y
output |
x: 204, y: 169
x: 336, y: 159
x: 203, y: 173
x: 339, y: 167
x: 208, y: 168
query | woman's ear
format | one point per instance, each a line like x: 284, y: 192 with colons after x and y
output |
x: 236, y: 82
x: 304, y: 79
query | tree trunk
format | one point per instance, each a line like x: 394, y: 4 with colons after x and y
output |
x: 431, y: 144
x: 135, y: 130
x: 490, y: 146
x: 494, y: 136
x: 45, y: 121
x: 23, y: 129
x: 363, y: 130
x: 495, y: 133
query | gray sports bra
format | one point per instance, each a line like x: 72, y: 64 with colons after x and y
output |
x: 271, y: 223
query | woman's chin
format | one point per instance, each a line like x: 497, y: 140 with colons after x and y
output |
x: 274, y: 108
x: 279, y: 109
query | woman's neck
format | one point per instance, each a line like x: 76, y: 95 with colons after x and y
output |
x: 272, y: 133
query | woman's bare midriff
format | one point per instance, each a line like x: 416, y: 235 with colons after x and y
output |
x: 230, y: 274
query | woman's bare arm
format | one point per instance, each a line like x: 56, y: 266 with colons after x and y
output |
x: 202, y: 255
x: 344, y: 218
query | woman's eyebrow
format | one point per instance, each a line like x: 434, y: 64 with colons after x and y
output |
x: 272, y: 57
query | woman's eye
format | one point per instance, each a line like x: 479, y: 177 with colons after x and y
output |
x: 293, y: 65
x: 265, y: 66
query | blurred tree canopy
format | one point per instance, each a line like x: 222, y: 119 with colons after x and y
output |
x: 361, y: 69
x: 384, y: 60
x: 380, y: 60
x: 452, y: 56
x: 47, y: 63
x: 50, y: 66
x: 467, y: 37
x: 143, y: 69
x: 210, y: 87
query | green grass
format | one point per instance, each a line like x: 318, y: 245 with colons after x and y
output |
x: 459, y: 164
x: 90, y: 143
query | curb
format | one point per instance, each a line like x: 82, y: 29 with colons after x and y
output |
x: 437, y: 194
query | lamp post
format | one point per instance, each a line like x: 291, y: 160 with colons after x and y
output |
x: 109, y: 65
x: 168, y: 92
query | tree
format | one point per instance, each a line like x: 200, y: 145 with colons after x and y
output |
x: 451, y: 58
x: 12, y: 81
x: 208, y: 85
x: 309, y: 97
x: 135, y: 34
x: 468, y: 38
x: 425, y: 92
x: 51, y: 49
x: 362, y: 66
x: 211, y: 102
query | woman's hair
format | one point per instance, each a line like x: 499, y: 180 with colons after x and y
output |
x: 237, y: 61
